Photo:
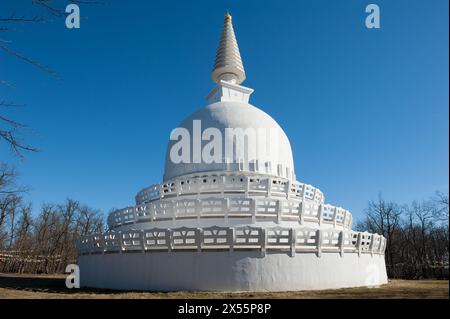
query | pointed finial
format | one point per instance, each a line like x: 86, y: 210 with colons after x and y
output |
x: 228, y: 64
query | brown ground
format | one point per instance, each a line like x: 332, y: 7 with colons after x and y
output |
x: 53, y: 286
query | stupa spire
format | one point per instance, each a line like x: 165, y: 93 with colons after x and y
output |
x: 228, y: 64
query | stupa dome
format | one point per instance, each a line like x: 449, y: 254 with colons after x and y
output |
x: 275, y: 157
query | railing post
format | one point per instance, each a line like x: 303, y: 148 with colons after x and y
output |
x: 263, y: 239
x: 226, y: 210
x: 152, y: 211
x: 198, y: 183
x: 174, y: 211
x: 341, y: 243
x: 222, y: 187
x: 269, y: 187
x: 320, y: 214
x: 344, y: 220
x: 288, y: 189
x: 120, y: 235
x: 319, y: 242
x: 198, y: 209
x: 142, y: 233
x: 169, y: 240
x: 247, y: 185
x: 232, y: 238
x: 335, y: 216
x: 358, y: 243
x: 372, y: 244
x: 199, y: 238
x: 161, y: 190
x: 178, y: 186
x: 253, y: 210
x: 301, y: 213
x: 135, y: 213
x: 279, y: 210
x: 293, y: 236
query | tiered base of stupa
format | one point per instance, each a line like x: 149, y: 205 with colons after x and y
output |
x: 274, y: 235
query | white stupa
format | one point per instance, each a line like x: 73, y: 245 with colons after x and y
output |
x: 237, y: 223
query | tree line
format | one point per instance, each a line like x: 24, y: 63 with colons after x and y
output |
x: 417, y: 236
x: 45, y: 243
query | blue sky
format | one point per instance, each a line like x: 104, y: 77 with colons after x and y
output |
x: 366, y: 111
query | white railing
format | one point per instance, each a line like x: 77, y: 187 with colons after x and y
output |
x: 274, y: 239
x: 256, y: 209
x: 211, y: 183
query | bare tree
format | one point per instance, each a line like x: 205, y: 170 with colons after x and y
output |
x: 10, y: 200
x: 441, y: 206
x: 47, y: 243
x: 50, y: 10
x: 417, y: 236
x: 384, y: 218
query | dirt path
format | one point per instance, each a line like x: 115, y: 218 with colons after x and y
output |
x: 53, y: 286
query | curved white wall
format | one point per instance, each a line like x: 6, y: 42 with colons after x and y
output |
x: 225, y: 271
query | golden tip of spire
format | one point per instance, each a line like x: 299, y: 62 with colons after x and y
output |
x: 227, y: 16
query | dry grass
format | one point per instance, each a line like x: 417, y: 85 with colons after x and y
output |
x: 44, y: 287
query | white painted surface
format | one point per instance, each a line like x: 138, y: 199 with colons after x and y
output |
x: 225, y: 271
x: 224, y: 115
x: 229, y: 92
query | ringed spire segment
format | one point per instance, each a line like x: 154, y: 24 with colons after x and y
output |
x: 228, y: 63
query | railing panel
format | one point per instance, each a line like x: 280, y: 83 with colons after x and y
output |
x: 188, y: 186
x: 366, y: 239
x: 131, y: 240
x: 330, y: 240
x: 306, y: 239
x: 157, y: 239
x: 279, y: 186
x: 144, y: 212
x: 340, y: 213
x: 248, y: 238
x: 328, y: 212
x: 240, y: 207
x: 310, y: 211
x: 210, y: 184
x: 257, y: 185
x: 224, y: 238
x: 266, y: 208
x: 112, y: 242
x: 234, y: 183
x: 217, y: 238
x: 278, y: 238
x: 212, y: 207
x: 290, y: 210
x: 148, y: 194
x: 185, y: 238
x: 350, y: 240
x: 185, y: 208
x: 262, y: 208
x: 164, y: 210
